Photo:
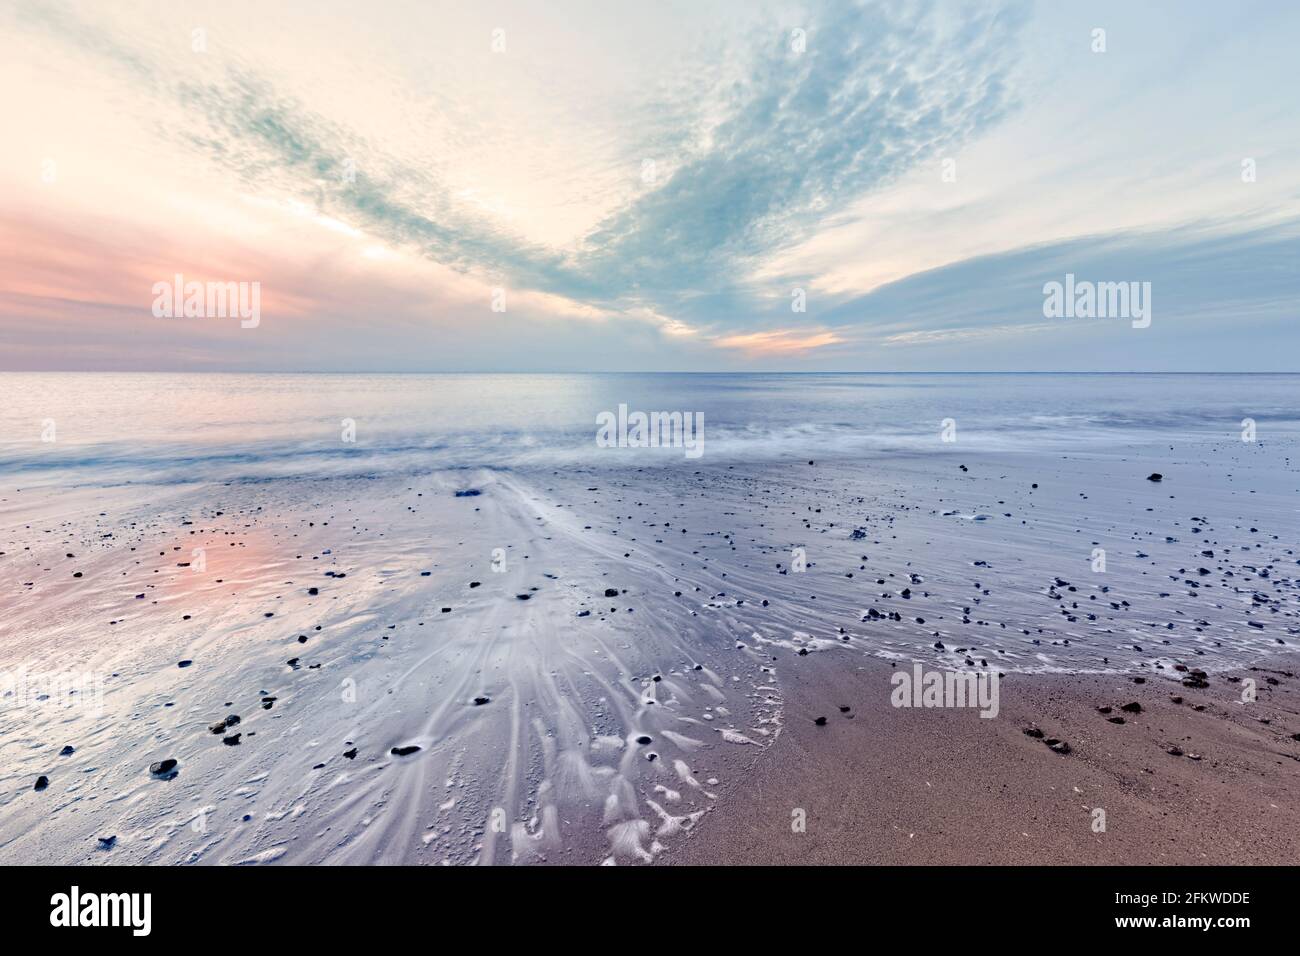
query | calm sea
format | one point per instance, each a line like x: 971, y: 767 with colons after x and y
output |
x: 91, y: 428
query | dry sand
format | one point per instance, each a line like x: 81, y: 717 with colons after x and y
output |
x: 885, y: 785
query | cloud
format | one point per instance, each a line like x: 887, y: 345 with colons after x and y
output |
x: 970, y: 333
x: 1234, y: 280
x: 771, y: 154
x: 383, y: 198
x: 805, y: 134
x: 778, y: 342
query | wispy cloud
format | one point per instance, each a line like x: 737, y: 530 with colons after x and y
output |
x: 1207, y: 280
x: 773, y: 154
x: 647, y: 194
x: 778, y: 341
x: 804, y: 135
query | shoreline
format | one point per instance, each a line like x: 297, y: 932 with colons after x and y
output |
x: 622, y: 664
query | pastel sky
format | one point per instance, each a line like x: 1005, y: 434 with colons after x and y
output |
x: 649, y: 186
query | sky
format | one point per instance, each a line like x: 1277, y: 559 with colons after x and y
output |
x: 687, y: 186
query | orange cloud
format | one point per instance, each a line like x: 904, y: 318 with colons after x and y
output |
x: 778, y: 341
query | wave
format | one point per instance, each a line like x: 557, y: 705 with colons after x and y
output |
x: 125, y: 462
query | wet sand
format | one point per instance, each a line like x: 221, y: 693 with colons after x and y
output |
x: 622, y: 664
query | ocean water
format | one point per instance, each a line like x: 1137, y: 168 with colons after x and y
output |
x: 116, y: 428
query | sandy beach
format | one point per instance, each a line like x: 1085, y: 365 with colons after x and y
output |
x: 548, y: 437
x: 624, y: 663
x: 878, y: 785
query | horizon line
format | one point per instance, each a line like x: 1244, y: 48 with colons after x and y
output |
x: 173, y: 371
